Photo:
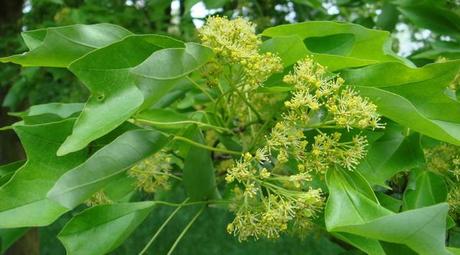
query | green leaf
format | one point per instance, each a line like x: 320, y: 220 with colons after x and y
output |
x: 429, y: 189
x: 102, y: 167
x: 175, y: 63
x: 335, y: 45
x: 389, y: 202
x: 59, y: 46
x: 23, y: 200
x: 120, y: 82
x: 431, y: 15
x: 50, y: 112
x: 9, y: 236
x: 394, y: 152
x: 349, y: 210
x: 346, y: 206
x: 199, y: 174
x: 7, y: 171
x: 454, y: 250
x: 101, y: 229
x: 121, y: 188
x: 421, y: 230
x: 367, y: 245
x: 449, y: 50
x: 389, y: 17
x: 413, y: 97
x: 289, y: 48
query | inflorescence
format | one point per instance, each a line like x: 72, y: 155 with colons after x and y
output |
x: 153, y: 173
x: 272, y: 186
x: 270, y: 195
x: 445, y: 160
x: 235, y: 42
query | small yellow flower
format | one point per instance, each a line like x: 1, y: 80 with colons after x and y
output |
x: 98, y: 198
x: 264, y: 173
x: 152, y: 174
x: 235, y: 41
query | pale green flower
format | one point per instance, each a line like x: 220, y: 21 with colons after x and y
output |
x: 153, y: 173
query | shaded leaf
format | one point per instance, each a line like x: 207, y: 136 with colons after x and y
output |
x: 9, y: 236
x: 199, y: 174
x: 104, y: 166
x: 59, y: 46
x: 101, y: 229
x: 431, y: 15
x: 7, y: 171
x: 49, y: 112
x: 23, y: 200
x: 395, y: 151
x: 429, y: 189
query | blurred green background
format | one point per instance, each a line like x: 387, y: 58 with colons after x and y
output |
x: 423, y: 30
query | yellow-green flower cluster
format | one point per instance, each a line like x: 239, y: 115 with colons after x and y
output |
x: 313, y: 90
x: 264, y: 207
x: 453, y: 199
x: 235, y: 42
x: 153, y: 173
x: 272, y: 194
x: 98, y: 198
x: 455, y: 84
x: 444, y: 159
x: 287, y: 139
x: 328, y: 150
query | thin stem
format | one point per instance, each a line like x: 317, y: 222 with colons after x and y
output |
x: 185, y: 230
x: 259, y: 117
x: 258, y: 134
x: 184, y: 122
x: 162, y: 227
x: 6, y: 128
x: 200, y: 88
x: 226, y: 107
x: 180, y: 138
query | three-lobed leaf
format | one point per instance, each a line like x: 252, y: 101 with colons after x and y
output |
x: 351, y: 211
x: 121, y: 81
x: 60, y: 46
x: 23, y: 198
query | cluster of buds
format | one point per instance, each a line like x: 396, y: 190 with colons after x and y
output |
x: 98, y: 198
x: 235, y: 42
x: 444, y: 159
x: 453, y: 199
x: 313, y: 89
x: 264, y: 204
x: 455, y: 84
x: 153, y: 173
x: 273, y: 188
x: 326, y: 151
